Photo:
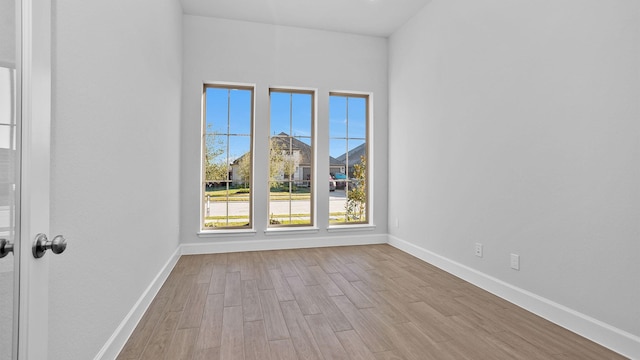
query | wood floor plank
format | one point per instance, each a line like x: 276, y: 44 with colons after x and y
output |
x: 357, y: 298
x: 336, y: 318
x: 329, y: 345
x: 373, y: 278
x: 345, y: 271
x: 256, y: 346
x: 303, y: 298
x: 413, y: 345
x: 438, y: 299
x: 191, y: 264
x: 303, y: 272
x: 232, y: 345
x: 161, y: 337
x: 204, y: 276
x: 356, y: 302
x: 375, y: 336
x: 192, y: 313
x: 282, y: 350
x: 251, y: 308
x: 324, y: 260
x: 389, y: 355
x: 285, y: 264
x: 263, y: 277
x: 181, y: 293
x: 281, y: 285
x: 218, y: 279
x: 142, y: 333
x: 353, y: 345
x: 182, y: 346
x: 325, y: 281
x: 210, y: 335
x: 233, y: 289
x: 207, y: 354
x: 519, y: 348
x: 381, y: 306
x: 234, y: 262
x: 275, y: 326
x: 301, y: 336
x: 247, y: 266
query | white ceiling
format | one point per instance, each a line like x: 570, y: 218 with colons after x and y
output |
x: 367, y: 17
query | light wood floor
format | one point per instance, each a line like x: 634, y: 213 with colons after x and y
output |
x: 357, y: 302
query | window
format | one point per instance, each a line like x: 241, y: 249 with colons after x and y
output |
x: 348, y: 148
x: 227, y: 158
x: 291, y: 157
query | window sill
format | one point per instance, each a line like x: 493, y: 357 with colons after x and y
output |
x: 347, y: 228
x: 299, y: 230
x: 225, y: 233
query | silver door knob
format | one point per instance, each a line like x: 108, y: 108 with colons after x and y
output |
x: 5, y: 247
x: 41, y: 244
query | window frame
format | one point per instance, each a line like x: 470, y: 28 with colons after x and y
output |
x: 203, y: 137
x: 312, y: 179
x: 368, y: 98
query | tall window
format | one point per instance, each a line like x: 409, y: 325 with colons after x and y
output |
x: 291, y: 158
x: 227, y: 159
x: 348, y: 148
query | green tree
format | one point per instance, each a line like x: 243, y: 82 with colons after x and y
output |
x: 357, y: 193
x: 276, y: 159
x: 216, y: 167
x: 282, y: 163
x: 244, y: 169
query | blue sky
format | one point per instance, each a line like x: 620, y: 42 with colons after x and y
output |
x: 289, y: 113
x: 339, y: 113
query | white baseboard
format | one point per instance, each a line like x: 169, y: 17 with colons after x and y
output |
x: 604, y: 334
x: 116, y: 342
x: 213, y: 247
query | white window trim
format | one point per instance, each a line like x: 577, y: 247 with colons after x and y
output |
x: 291, y: 230
x: 314, y: 167
x: 227, y: 231
x: 370, y: 166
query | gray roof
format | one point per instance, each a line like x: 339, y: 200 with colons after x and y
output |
x: 282, y: 140
x: 354, y: 155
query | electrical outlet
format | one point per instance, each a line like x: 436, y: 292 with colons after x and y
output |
x: 478, y: 250
x: 515, y: 262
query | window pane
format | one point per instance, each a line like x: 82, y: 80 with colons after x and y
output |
x: 240, y: 114
x: 357, y: 124
x: 227, y: 158
x: 217, y: 110
x: 357, y: 150
x: 291, y: 155
x: 289, y: 204
x: 226, y: 208
x: 216, y: 165
x: 337, y: 117
x: 301, y: 115
x: 348, y: 159
x: 239, y: 146
x: 280, y: 113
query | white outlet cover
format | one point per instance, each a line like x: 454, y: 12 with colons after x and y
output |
x: 478, y: 250
x: 515, y: 262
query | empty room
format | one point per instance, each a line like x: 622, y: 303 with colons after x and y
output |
x: 345, y: 179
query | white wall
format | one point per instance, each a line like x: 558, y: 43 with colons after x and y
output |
x: 266, y: 55
x: 7, y: 33
x: 115, y: 163
x: 525, y: 120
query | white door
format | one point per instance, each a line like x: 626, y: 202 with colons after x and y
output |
x: 25, y: 114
